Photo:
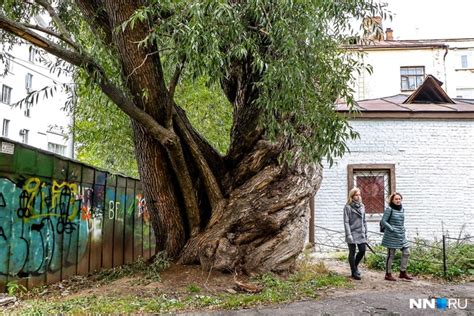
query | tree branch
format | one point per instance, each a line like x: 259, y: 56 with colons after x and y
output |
x: 52, y: 33
x: 54, y: 16
x: 174, y: 80
x: 210, y: 182
x: 163, y: 135
x: 183, y: 176
x: 172, y: 87
x: 96, y: 16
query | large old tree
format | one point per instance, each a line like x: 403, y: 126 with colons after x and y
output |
x: 279, y: 64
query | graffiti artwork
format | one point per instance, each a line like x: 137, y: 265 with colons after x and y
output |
x: 60, y: 218
x: 40, y: 226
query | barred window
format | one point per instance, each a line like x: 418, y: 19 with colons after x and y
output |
x: 375, y: 181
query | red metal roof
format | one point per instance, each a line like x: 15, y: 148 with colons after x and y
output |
x: 395, y: 104
x: 428, y: 101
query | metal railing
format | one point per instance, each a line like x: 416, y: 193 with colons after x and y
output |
x: 335, y: 239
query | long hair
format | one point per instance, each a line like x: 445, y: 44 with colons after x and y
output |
x: 352, y: 192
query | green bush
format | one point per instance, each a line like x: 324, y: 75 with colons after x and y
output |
x: 427, y: 258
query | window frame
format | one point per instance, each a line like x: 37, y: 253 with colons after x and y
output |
x: 53, y: 146
x: 32, y: 55
x: 9, y: 94
x: 464, y: 62
x: 414, y: 76
x: 351, y: 168
x: 28, y: 82
x: 24, y: 135
x: 28, y: 105
x: 5, y: 127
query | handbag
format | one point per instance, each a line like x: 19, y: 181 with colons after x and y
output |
x: 382, y: 227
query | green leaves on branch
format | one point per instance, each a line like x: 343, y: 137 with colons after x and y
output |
x: 295, y: 51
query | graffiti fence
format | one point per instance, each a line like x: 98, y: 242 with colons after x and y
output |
x: 60, y: 218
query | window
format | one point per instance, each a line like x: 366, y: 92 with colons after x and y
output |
x: 24, y: 135
x: 411, y: 77
x: 32, y: 55
x: 464, y: 61
x: 6, y: 94
x: 56, y: 148
x: 375, y: 181
x: 28, y: 105
x: 5, y: 126
x: 28, y: 82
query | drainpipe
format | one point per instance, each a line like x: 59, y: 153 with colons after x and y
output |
x: 444, y: 64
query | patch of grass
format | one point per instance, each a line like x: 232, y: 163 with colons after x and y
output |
x: 150, y: 271
x: 15, y: 289
x: 193, y: 288
x: 341, y: 256
x: 305, y: 283
x: 427, y: 259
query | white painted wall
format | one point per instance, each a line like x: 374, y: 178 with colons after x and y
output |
x: 44, y: 114
x: 462, y: 84
x: 385, y: 79
x: 386, y: 63
x: 434, y: 169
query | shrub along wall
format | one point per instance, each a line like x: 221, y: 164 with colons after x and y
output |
x: 59, y: 217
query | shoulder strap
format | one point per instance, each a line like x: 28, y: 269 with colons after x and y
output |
x: 388, y: 219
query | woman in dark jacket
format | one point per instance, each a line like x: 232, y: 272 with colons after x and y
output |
x: 394, y: 236
x: 355, y: 227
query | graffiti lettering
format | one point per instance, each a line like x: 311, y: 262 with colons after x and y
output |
x: 40, y: 213
x: 142, y: 209
x: 2, y: 233
x: 47, y: 226
x: 2, y: 200
x: 111, y: 209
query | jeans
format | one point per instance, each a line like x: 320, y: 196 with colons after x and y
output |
x: 353, y: 258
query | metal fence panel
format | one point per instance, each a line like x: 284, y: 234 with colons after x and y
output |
x: 59, y: 217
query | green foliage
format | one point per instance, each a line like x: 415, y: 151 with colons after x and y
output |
x: 208, y: 110
x: 105, y: 136
x: 160, y: 262
x: 295, y: 50
x: 193, y: 288
x: 150, y: 271
x: 428, y: 260
x: 14, y: 288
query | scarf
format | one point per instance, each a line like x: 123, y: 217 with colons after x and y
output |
x: 356, y: 206
x: 395, y: 207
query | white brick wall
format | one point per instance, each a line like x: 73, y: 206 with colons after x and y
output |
x: 434, y: 169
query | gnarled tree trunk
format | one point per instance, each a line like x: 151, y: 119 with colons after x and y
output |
x: 245, y: 212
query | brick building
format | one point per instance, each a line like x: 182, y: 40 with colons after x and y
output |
x: 421, y: 146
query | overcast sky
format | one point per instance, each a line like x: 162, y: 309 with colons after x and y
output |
x: 431, y: 19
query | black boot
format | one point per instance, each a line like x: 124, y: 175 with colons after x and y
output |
x: 356, y: 276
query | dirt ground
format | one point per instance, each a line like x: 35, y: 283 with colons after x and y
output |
x: 372, y: 295
x: 175, y: 281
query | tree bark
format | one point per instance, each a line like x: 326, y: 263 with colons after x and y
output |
x: 263, y: 224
